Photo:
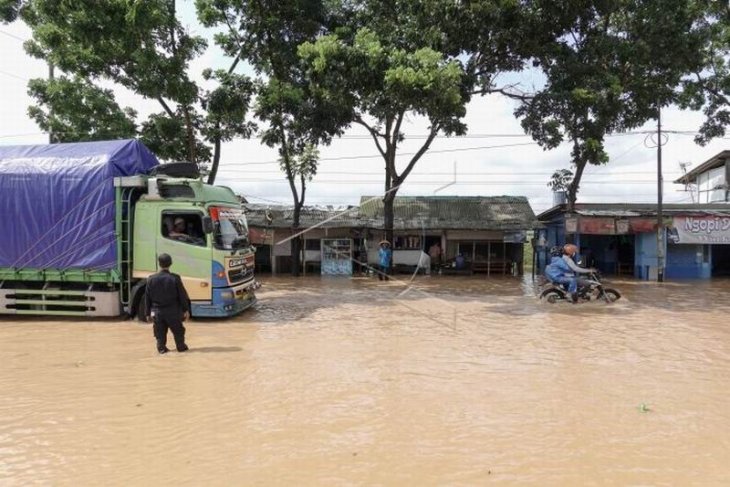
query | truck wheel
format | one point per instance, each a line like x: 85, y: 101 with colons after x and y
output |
x: 142, y: 309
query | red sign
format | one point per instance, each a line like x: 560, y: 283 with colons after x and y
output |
x: 597, y: 226
x: 642, y: 225
x: 257, y: 236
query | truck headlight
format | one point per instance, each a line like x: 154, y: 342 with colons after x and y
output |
x: 227, y: 294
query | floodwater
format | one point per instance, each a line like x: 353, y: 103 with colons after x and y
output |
x: 457, y: 381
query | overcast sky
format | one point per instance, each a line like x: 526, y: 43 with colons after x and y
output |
x: 496, y: 158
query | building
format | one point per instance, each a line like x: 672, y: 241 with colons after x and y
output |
x: 622, y: 238
x: 489, y: 233
x: 708, y: 182
x: 340, y: 231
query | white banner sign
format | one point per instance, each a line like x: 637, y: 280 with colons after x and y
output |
x: 700, y: 230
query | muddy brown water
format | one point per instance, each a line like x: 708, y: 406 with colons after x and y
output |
x: 457, y: 381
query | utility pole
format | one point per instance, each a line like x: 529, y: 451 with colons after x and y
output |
x: 660, y: 216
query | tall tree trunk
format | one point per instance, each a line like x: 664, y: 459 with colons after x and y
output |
x: 216, y: 160
x: 575, y: 185
x: 580, y: 166
x: 296, y: 241
x: 388, y: 220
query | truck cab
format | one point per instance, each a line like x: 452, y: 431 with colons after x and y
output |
x: 203, y: 229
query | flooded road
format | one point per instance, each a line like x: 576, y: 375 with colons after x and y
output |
x: 458, y: 381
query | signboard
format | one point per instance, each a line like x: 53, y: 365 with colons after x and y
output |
x: 642, y: 225
x: 257, y: 237
x: 337, y: 257
x: 700, y: 230
x: 597, y: 226
x: 571, y: 225
x: 622, y: 227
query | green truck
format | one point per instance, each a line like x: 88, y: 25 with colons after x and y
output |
x: 83, y: 223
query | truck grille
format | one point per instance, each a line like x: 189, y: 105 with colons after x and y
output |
x: 239, y: 275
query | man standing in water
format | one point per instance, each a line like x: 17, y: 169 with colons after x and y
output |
x: 167, y: 304
x: 384, y: 256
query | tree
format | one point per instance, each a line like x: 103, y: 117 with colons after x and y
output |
x: 76, y: 110
x: 612, y: 66
x: 143, y: 47
x: 560, y: 180
x: 384, y: 64
x: 296, y: 120
x: 708, y: 86
x: 10, y: 10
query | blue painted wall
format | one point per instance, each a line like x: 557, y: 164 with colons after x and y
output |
x: 645, y: 254
x: 683, y: 261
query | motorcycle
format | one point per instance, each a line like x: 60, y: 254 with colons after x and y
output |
x: 591, y: 290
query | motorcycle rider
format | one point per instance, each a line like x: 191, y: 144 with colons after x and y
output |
x: 563, y: 269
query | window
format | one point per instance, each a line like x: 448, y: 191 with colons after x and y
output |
x: 185, y: 227
x: 407, y: 242
x: 312, y: 244
x: 231, y: 228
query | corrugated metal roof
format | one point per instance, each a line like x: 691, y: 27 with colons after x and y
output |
x: 635, y: 209
x: 455, y: 212
x: 510, y: 213
x: 282, y: 216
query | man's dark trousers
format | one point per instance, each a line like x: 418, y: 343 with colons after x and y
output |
x: 164, y: 321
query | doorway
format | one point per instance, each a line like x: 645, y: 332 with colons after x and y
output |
x: 721, y: 261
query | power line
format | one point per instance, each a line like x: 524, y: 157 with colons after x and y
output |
x: 6, y: 33
x: 14, y: 76
x: 431, y: 183
x: 436, y: 173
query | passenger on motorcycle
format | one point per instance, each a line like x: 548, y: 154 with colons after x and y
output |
x: 563, y: 269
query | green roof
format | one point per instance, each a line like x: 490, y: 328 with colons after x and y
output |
x: 412, y: 212
x: 455, y: 212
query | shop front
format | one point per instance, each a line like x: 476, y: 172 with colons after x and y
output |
x: 699, y: 246
x: 622, y: 239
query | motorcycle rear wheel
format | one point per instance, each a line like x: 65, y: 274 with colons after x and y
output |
x: 552, y: 296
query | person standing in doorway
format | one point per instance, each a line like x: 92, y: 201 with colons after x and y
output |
x: 167, y: 305
x: 435, y: 253
x: 385, y: 254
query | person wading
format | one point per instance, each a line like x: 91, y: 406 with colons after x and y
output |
x: 384, y: 257
x: 167, y: 305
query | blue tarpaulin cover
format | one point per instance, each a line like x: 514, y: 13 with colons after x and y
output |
x: 57, y: 202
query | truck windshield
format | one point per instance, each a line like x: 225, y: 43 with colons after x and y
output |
x: 231, y: 230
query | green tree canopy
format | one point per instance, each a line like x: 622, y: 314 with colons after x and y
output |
x: 142, y: 46
x: 295, y: 120
x: 76, y: 110
x: 614, y: 64
x: 389, y: 60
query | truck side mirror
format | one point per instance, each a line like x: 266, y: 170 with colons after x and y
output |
x: 207, y: 224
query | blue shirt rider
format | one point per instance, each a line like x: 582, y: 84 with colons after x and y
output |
x: 563, y: 270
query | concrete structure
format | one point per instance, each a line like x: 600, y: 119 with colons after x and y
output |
x: 708, y: 182
x: 489, y: 232
x: 621, y: 238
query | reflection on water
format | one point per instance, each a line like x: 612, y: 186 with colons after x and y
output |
x: 331, y: 381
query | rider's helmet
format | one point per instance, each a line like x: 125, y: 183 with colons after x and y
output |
x: 570, y: 249
x: 556, y: 251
